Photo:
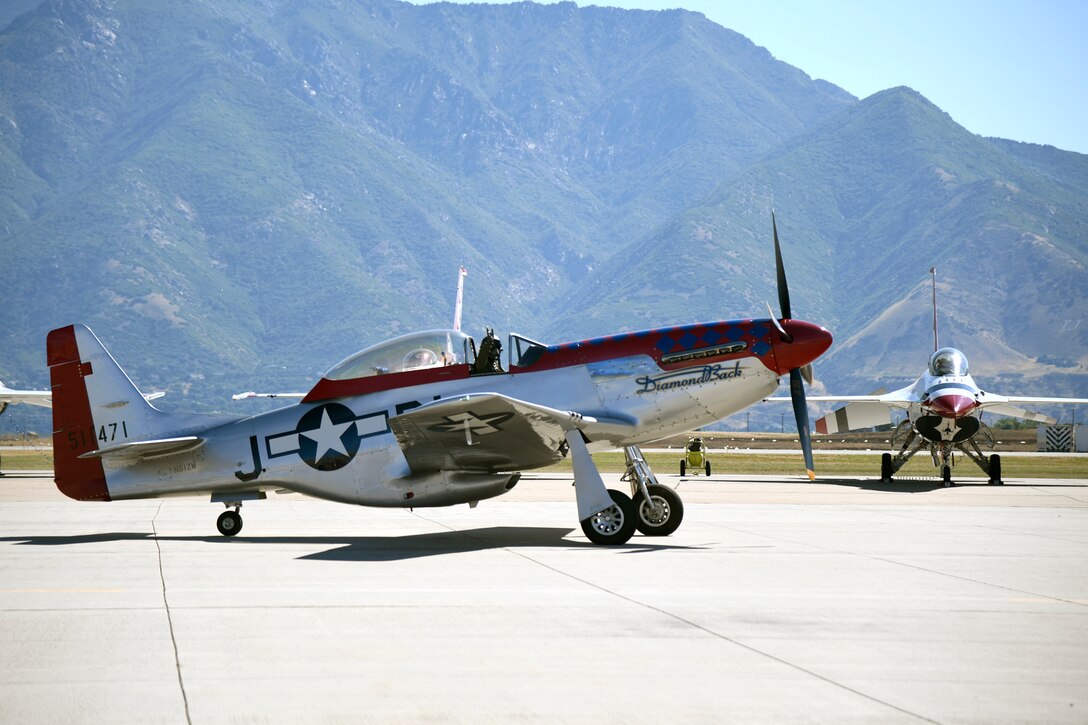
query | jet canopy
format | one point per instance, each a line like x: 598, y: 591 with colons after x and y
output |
x: 419, y: 350
x: 947, y: 361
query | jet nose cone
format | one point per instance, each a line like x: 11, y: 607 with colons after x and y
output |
x: 952, y: 406
x: 809, y: 341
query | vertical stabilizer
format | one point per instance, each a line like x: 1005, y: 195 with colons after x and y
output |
x: 95, y: 406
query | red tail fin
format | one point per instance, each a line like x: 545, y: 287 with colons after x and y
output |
x: 73, y: 427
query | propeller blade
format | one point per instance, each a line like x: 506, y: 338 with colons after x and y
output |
x: 783, y: 288
x: 800, y: 412
x: 786, y: 337
x: 806, y: 373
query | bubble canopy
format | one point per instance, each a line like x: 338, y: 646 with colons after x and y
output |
x: 416, y: 351
x: 947, y: 361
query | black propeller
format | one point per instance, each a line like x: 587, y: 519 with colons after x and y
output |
x: 797, y: 385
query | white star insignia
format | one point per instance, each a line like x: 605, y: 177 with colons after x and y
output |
x: 327, y: 437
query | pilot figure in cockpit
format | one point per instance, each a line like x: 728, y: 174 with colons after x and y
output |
x: 947, y: 361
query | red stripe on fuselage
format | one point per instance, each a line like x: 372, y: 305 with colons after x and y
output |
x: 657, y: 344
x: 73, y: 426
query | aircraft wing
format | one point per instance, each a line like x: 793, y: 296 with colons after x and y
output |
x: 489, y: 432
x: 251, y: 394
x: 44, y: 398
x: 860, y: 411
x: 999, y: 405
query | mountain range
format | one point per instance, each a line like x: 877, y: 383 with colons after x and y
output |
x: 236, y: 194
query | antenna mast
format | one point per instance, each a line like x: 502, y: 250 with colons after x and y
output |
x: 461, y: 273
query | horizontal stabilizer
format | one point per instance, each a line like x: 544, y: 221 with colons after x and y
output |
x: 136, y: 450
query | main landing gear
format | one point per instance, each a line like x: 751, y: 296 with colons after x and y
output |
x: 611, y: 517
x: 943, y: 453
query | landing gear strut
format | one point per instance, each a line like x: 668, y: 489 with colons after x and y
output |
x: 660, y: 510
x: 611, y: 517
x: 229, y: 522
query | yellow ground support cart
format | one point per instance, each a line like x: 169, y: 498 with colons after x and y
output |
x: 694, y: 458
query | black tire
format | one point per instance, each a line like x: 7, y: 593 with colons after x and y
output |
x: 708, y: 468
x: 886, y: 468
x: 669, y: 511
x: 683, y: 467
x: 229, y: 523
x: 613, y: 526
x: 946, y: 475
x: 995, y: 470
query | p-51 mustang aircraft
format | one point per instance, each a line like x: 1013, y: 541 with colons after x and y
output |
x: 429, y: 419
x: 944, y: 413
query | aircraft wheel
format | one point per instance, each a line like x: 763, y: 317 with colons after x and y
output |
x: 613, y: 526
x: 886, y: 468
x: 946, y: 475
x: 995, y: 470
x: 708, y: 468
x: 229, y: 523
x: 683, y: 467
x: 662, y: 514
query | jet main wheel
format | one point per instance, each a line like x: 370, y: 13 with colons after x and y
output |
x: 995, y: 470
x: 946, y: 475
x: 229, y: 523
x: 683, y: 467
x: 708, y: 468
x: 613, y: 526
x: 886, y: 468
x: 662, y: 514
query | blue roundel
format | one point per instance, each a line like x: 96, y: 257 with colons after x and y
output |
x: 327, y: 437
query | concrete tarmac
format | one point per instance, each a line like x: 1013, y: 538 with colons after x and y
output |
x: 776, y: 601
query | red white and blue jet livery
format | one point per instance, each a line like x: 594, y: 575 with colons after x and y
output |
x: 430, y: 419
x: 944, y: 410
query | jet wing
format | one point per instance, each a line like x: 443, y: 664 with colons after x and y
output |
x: 44, y: 398
x: 999, y: 405
x: 489, y: 432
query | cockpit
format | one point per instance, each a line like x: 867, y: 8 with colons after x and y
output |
x: 435, y: 349
x: 947, y: 361
x: 417, y: 351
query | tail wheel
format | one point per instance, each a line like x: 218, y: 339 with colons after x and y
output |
x: 995, y: 470
x: 661, y: 514
x: 886, y: 472
x: 613, y: 526
x: 683, y: 467
x: 229, y: 523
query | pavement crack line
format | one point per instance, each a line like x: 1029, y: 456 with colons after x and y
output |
x: 170, y: 618
x: 690, y: 623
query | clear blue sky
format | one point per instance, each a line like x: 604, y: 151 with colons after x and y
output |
x: 1017, y: 69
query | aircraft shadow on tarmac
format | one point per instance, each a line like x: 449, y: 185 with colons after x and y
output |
x: 924, y: 485
x: 372, y: 548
